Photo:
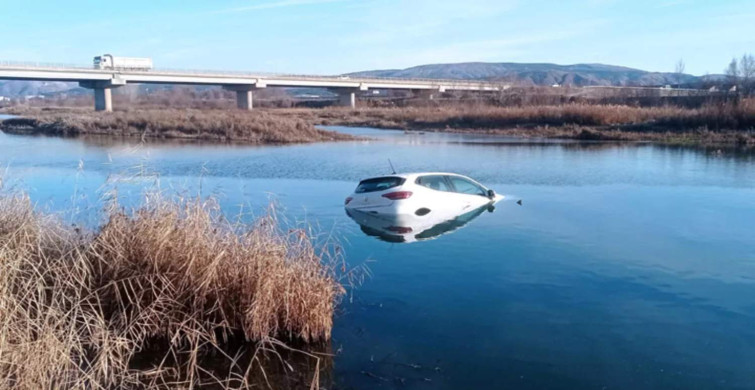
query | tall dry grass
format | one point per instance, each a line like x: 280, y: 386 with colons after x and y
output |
x: 174, y: 280
x: 715, y: 123
x: 718, y: 121
x: 203, y: 125
x: 728, y: 116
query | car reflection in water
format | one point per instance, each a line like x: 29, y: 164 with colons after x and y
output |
x: 411, y: 228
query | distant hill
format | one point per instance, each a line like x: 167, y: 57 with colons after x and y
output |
x: 15, y: 89
x: 537, y: 74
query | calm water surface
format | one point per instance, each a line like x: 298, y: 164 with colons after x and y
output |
x: 626, y: 267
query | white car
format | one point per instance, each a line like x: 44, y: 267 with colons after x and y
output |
x: 433, y: 195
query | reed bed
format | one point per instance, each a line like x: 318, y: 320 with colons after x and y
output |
x: 723, y: 122
x: 202, y: 125
x: 173, y: 279
x: 726, y: 115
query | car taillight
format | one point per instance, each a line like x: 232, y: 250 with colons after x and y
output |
x: 398, y: 195
x: 400, y: 229
x: 349, y: 199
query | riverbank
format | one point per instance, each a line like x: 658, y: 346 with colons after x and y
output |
x: 724, y: 124
x: 728, y: 124
x: 260, y: 128
x: 170, y: 293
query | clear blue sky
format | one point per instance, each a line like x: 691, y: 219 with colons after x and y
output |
x: 338, y: 36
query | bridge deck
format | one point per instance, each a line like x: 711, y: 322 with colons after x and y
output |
x: 16, y: 71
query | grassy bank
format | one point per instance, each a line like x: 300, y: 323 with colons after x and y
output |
x: 726, y: 123
x: 203, y: 125
x: 716, y: 123
x: 175, y: 279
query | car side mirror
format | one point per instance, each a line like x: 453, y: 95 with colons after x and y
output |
x: 491, y: 194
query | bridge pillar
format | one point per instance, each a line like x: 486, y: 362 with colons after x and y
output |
x: 428, y: 94
x: 347, y: 99
x: 244, y: 94
x: 103, y: 99
x: 103, y: 93
x: 244, y: 100
x: 347, y: 96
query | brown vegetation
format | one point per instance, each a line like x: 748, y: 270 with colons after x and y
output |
x: 202, y: 125
x: 173, y: 280
x: 721, y: 120
x: 732, y: 122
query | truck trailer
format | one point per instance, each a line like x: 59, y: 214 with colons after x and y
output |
x: 108, y: 61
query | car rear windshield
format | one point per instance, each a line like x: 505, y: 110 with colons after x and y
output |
x: 379, y: 184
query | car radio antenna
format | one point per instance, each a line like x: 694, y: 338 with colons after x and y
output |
x: 392, y: 168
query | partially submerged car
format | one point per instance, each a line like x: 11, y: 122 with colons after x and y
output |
x: 430, y: 194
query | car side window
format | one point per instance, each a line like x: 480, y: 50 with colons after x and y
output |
x: 435, y: 182
x: 464, y: 186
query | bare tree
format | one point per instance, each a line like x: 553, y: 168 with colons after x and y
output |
x: 747, y: 72
x: 732, y: 72
x: 679, y: 70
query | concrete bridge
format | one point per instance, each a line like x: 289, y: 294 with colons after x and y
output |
x: 103, y: 81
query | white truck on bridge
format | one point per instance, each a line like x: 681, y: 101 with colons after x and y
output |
x: 108, y: 61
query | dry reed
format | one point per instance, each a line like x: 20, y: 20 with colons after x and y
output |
x: 78, y: 307
x: 723, y: 122
x: 203, y: 125
x: 725, y: 116
x: 726, y: 123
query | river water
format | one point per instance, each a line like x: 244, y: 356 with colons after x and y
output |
x: 626, y: 266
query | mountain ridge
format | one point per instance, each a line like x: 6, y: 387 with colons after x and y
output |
x: 582, y: 74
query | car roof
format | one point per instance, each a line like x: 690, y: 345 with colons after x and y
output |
x: 414, y: 175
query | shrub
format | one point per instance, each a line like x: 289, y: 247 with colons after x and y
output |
x: 79, y: 306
